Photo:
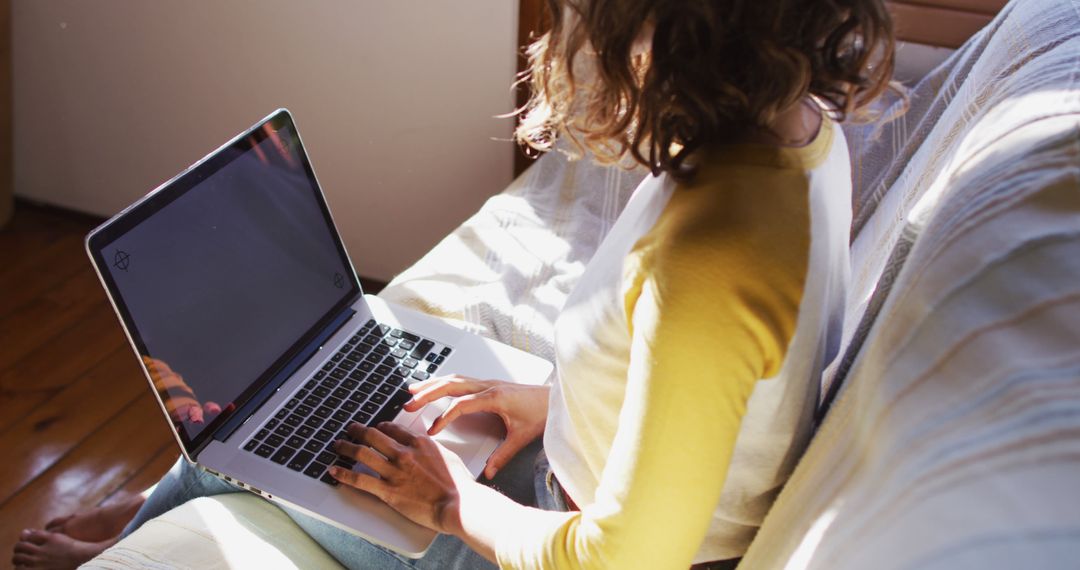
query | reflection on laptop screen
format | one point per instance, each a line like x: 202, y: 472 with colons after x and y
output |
x: 223, y: 280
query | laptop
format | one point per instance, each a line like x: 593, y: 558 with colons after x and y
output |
x: 244, y: 309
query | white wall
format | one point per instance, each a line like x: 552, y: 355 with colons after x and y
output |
x: 394, y: 99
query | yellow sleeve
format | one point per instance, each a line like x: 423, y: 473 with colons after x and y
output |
x: 710, y: 315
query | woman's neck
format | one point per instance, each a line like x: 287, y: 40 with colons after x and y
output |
x: 795, y: 126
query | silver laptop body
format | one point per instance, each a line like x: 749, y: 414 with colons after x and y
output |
x: 239, y: 299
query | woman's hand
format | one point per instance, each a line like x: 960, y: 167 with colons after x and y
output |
x: 418, y: 477
x: 522, y: 408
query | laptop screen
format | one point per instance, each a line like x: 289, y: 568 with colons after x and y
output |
x: 224, y: 272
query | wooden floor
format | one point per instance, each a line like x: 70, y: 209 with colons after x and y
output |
x: 78, y: 424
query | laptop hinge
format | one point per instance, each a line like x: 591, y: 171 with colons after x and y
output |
x: 226, y: 430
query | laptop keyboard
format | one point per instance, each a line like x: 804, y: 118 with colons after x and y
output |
x: 365, y: 381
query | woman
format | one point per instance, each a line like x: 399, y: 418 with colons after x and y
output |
x: 690, y: 352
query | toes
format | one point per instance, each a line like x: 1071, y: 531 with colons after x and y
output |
x: 23, y: 560
x: 57, y: 524
x: 34, y: 536
x: 27, y: 548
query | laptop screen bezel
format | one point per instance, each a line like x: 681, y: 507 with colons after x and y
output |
x: 100, y: 239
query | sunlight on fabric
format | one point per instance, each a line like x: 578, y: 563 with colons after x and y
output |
x: 805, y: 552
x: 241, y: 546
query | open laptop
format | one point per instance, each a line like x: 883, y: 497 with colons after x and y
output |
x: 243, y: 307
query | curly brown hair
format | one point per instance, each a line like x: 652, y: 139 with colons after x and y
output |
x: 654, y: 81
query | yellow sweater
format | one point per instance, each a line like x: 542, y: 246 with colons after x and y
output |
x: 693, y: 299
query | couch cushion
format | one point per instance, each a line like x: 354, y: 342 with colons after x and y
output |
x: 956, y: 440
x: 234, y: 530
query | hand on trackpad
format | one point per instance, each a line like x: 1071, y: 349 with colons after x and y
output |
x: 464, y: 433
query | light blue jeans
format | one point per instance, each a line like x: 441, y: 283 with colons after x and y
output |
x: 526, y: 479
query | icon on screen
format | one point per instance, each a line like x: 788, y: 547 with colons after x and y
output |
x: 121, y: 260
x: 339, y: 280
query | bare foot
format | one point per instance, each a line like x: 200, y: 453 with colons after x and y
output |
x: 55, y: 551
x: 98, y: 523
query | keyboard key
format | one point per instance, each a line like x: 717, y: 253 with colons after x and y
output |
x: 329, y: 366
x: 374, y: 358
x: 314, y: 422
x: 347, y: 366
x: 284, y: 430
x: 337, y: 357
x: 329, y: 480
x: 391, y: 408
x: 387, y: 388
x: 382, y: 349
x: 431, y: 357
x: 323, y: 435
x: 305, y: 431
x: 330, y: 383
x: 323, y: 412
x: 410, y: 336
x: 283, y: 455
x: 341, y: 393
x: 274, y: 440
x: 370, y: 407
x: 271, y: 424
x: 295, y: 441
x: 371, y: 339
x: 333, y: 425
x: 445, y: 351
x: 262, y: 433
x: 264, y: 451
x: 370, y: 323
x: 383, y: 370
x: 304, y: 410
x: 367, y: 387
x: 398, y: 353
x: 440, y: 359
x: 313, y: 446
x: 294, y: 420
x: 332, y: 402
x: 390, y: 361
x: 378, y: 398
x: 291, y: 404
x: 319, y: 376
x: 326, y: 457
x: 321, y: 392
x: 281, y: 414
x: 302, y: 394
x: 311, y: 383
x: 357, y: 397
x: 362, y: 417
x: 251, y: 445
x: 301, y: 460
x: 410, y: 362
x: 422, y: 348
x: 388, y: 342
x: 349, y: 406
x: 341, y: 415
x: 406, y: 345
x: 366, y: 366
x: 432, y: 368
x: 312, y: 401
x: 348, y: 385
x: 355, y: 338
x: 315, y: 470
x: 382, y: 329
x: 421, y: 375
x: 339, y: 373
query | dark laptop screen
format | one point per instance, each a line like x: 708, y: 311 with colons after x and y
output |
x: 226, y: 271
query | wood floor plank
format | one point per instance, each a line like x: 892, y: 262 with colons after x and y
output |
x: 52, y: 430
x: 25, y: 278
x: 93, y: 471
x: 36, y: 323
x: 150, y: 473
x: 43, y: 373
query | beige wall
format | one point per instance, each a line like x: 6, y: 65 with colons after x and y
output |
x: 394, y: 99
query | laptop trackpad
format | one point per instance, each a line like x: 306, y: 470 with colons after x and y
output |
x: 466, y: 436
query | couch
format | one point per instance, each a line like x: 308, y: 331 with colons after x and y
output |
x: 953, y: 440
